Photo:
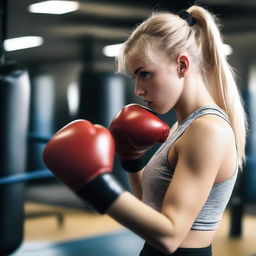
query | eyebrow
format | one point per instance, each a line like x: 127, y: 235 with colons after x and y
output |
x: 137, y: 70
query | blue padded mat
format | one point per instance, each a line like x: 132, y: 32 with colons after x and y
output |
x: 121, y: 243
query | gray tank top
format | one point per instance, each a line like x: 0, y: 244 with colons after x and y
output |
x: 158, y: 174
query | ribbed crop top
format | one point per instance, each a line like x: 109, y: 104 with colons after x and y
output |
x: 157, y: 176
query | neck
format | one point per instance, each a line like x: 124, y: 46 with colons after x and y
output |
x: 194, y: 96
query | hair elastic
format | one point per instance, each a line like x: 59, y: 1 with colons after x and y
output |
x: 185, y: 15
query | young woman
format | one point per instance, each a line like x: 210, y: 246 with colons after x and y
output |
x: 177, y: 62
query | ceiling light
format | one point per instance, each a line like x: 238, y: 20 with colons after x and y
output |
x: 112, y: 50
x: 54, y: 7
x: 24, y: 42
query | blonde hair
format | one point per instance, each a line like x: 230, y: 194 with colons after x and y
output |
x: 204, y: 44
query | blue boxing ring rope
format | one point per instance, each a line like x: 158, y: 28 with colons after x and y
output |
x: 22, y: 177
x: 33, y: 175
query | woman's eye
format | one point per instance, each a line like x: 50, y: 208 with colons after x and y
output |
x: 145, y: 75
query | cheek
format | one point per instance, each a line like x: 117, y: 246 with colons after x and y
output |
x: 170, y: 94
x: 173, y: 88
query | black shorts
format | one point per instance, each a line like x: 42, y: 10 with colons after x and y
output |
x: 148, y: 250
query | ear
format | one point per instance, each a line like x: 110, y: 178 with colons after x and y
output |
x: 183, y: 65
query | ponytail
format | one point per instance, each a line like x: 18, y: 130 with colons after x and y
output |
x: 174, y: 34
x: 218, y: 75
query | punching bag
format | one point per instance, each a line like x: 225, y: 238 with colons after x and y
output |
x: 102, y: 95
x: 14, y: 113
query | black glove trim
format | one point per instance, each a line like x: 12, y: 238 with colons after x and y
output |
x: 134, y: 165
x: 101, y: 192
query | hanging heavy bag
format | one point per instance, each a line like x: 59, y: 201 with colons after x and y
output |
x: 14, y: 114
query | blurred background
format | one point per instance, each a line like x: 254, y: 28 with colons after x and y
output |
x: 58, y: 65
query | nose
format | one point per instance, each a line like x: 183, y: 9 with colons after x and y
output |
x: 138, y: 91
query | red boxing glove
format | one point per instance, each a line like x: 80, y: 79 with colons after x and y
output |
x: 135, y: 130
x: 81, y: 155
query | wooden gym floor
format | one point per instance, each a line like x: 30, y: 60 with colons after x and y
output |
x: 79, y: 224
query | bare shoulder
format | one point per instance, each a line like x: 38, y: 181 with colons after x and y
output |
x: 209, y: 128
x: 207, y: 139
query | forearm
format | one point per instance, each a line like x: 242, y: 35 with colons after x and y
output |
x: 135, y: 181
x: 151, y: 225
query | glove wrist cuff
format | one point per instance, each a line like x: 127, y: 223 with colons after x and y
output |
x: 101, y: 192
x: 134, y: 165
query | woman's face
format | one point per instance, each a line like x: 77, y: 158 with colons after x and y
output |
x: 158, y: 82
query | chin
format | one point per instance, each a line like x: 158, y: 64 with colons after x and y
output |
x: 163, y: 112
x: 160, y: 111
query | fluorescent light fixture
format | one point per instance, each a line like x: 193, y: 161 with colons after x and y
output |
x: 112, y: 50
x: 24, y: 42
x: 227, y: 49
x: 54, y: 7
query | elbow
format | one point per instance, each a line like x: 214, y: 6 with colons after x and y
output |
x: 167, y: 246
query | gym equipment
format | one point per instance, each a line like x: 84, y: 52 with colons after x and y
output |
x: 14, y: 116
x: 22, y: 177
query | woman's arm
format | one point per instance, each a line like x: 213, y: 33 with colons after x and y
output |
x: 135, y: 181
x: 146, y: 222
x: 199, y: 157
